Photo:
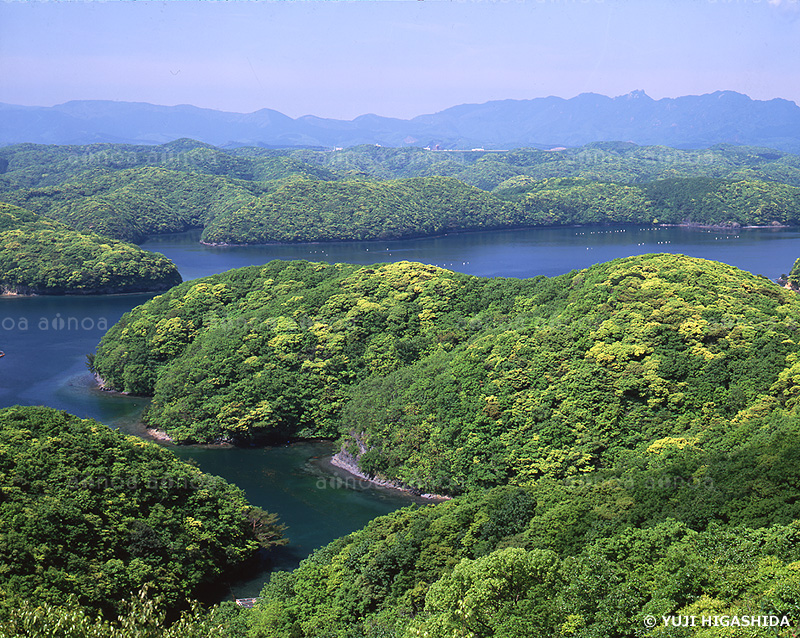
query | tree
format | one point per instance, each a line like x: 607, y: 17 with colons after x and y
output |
x: 507, y: 593
x: 266, y: 528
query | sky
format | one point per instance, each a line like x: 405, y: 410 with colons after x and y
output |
x: 392, y: 58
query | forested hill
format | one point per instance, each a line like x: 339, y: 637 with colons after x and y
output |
x: 448, y: 382
x: 621, y: 440
x: 306, y: 210
x: 34, y: 165
x: 90, y: 516
x: 131, y: 204
x: 41, y: 256
x: 257, y: 196
x: 609, y: 558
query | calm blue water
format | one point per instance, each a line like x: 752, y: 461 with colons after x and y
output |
x: 508, y: 253
x: 46, y: 340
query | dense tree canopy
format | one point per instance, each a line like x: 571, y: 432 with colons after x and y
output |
x: 695, y: 513
x: 545, y: 561
x: 88, y: 516
x: 447, y: 382
x: 35, y: 165
x: 39, y: 255
x: 271, y: 349
x: 142, y: 616
x: 617, y: 356
x: 131, y: 204
x: 261, y: 195
x: 306, y: 210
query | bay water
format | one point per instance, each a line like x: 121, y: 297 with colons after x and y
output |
x: 46, y: 340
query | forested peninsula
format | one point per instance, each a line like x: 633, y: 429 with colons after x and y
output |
x: 621, y: 437
x: 449, y: 382
x: 252, y: 196
x: 41, y: 256
x: 89, y: 516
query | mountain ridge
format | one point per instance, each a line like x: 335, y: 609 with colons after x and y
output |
x: 691, y: 121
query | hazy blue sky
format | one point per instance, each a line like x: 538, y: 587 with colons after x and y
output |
x: 401, y: 59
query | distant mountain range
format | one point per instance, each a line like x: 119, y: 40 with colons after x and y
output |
x: 695, y: 121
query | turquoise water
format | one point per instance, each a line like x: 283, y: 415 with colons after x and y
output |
x: 46, y: 340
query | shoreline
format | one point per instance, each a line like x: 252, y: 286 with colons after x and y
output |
x: 9, y: 292
x: 376, y: 240
x: 347, y: 462
x: 152, y: 434
x: 464, y: 231
x: 157, y: 435
x: 102, y: 385
x: 730, y: 226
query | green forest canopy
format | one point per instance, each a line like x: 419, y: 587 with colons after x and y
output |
x: 131, y: 204
x: 448, y: 382
x: 638, y: 419
x: 696, y: 514
x: 42, y: 256
x: 88, y: 516
x: 36, y: 165
x: 584, y: 560
x: 260, y: 195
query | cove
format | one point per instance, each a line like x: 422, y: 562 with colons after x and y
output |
x: 46, y: 340
x: 317, y: 503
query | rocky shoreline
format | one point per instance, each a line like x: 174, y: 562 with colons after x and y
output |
x: 8, y: 290
x: 151, y: 433
x: 158, y: 435
x: 349, y: 463
x: 102, y: 384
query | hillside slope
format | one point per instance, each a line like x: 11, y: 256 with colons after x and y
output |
x: 90, y: 515
x: 41, y: 256
x: 132, y: 203
x: 447, y: 382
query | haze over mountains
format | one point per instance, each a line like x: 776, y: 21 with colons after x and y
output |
x: 684, y: 122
